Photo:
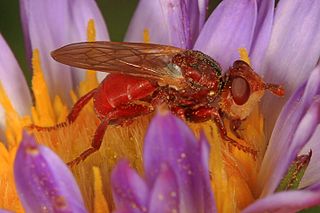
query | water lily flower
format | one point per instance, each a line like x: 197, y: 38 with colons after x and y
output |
x: 176, y: 172
x: 271, y: 38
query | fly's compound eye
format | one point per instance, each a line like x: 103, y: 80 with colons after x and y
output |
x: 240, y: 90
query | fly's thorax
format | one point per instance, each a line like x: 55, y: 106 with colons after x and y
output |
x: 199, y: 71
x: 242, y: 91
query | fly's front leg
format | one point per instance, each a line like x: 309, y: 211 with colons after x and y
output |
x: 74, y: 113
x: 118, y: 116
x: 204, y: 113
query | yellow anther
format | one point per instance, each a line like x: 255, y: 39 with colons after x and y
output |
x: 14, y: 123
x: 244, y: 56
x: 146, y: 35
x: 43, y: 112
x: 91, y: 31
x: 100, y: 203
x: 90, y: 80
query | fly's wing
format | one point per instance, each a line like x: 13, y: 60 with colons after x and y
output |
x: 151, y: 61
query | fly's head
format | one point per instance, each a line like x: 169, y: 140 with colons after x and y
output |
x: 200, y: 71
x: 243, y: 90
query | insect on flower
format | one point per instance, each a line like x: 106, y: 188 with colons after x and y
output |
x: 143, y: 76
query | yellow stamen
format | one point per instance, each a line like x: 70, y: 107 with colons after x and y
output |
x: 9, y: 198
x: 244, y: 56
x: 43, y: 112
x: 14, y: 122
x: 146, y: 35
x: 90, y: 82
x: 60, y: 109
x: 91, y: 31
x: 100, y: 203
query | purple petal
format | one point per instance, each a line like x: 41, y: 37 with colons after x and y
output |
x: 14, y: 84
x: 130, y: 192
x: 13, y: 81
x: 165, y: 192
x: 203, y: 9
x: 5, y: 211
x: 291, y: 201
x: 43, y: 181
x: 262, y: 32
x: 81, y: 12
x: 293, y: 50
x: 294, y: 47
x: 230, y: 26
x: 300, y: 116
x: 170, y: 141
x: 174, y: 22
x: 46, y: 30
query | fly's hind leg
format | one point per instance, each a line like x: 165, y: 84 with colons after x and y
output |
x: 72, y: 116
x: 118, y: 116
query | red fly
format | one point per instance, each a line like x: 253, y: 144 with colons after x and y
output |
x: 143, y: 76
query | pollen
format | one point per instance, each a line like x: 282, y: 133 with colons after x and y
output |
x: 244, y: 56
x: 45, y: 112
x: 91, y: 31
x: 100, y: 203
x: 146, y: 35
x: 90, y: 82
x: 14, y: 122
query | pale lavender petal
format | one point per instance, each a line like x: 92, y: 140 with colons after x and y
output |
x: 130, y: 193
x: 170, y: 141
x: 174, y: 22
x: 25, y: 28
x: 14, y: 84
x: 13, y: 81
x: 230, y: 26
x: 46, y: 30
x: 293, y: 51
x: 203, y: 9
x: 294, y: 47
x: 5, y: 211
x: 290, y: 201
x: 165, y: 193
x: 43, y: 181
x: 262, y: 32
x: 295, y: 126
x: 81, y: 11
x: 312, y: 174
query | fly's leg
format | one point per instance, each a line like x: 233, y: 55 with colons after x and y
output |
x: 118, y: 116
x: 235, y: 127
x: 203, y: 113
x: 223, y: 132
x: 72, y: 116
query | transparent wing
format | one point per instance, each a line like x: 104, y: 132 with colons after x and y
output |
x: 150, y: 61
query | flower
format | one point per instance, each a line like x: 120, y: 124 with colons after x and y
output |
x: 270, y: 36
x: 176, y: 172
